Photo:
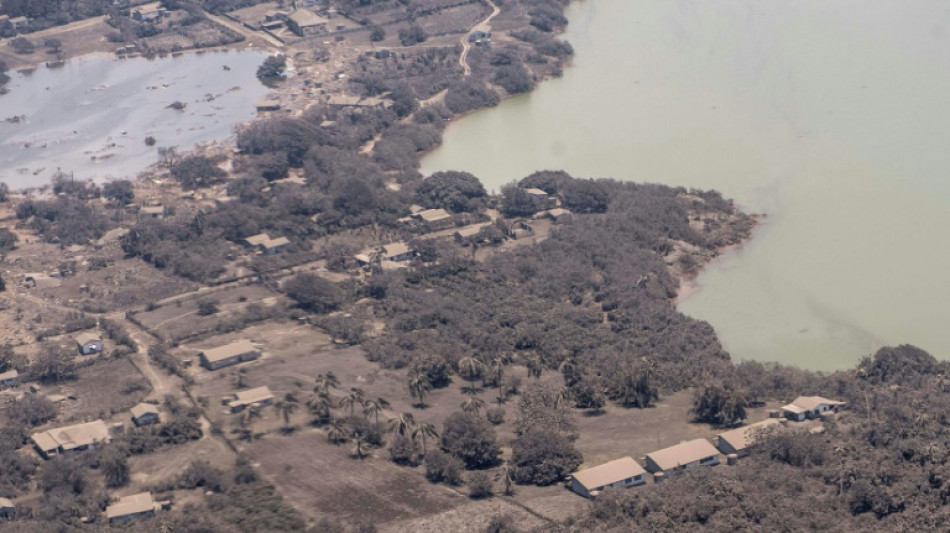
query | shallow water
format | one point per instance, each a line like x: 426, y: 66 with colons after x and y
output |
x: 828, y: 116
x: 91, y: 116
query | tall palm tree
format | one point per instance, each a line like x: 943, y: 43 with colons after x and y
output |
x: 470, y: 368
x: 359, y: 449
x: 495, y: 372
x: 325, y: 382
x: 507, y: 476
x: 473, y: 405
x: 402, y: 424
x: 419, y: 386
x: 535, y: 367
x: 373, y: 407
x: 287, y: 405
x: 424, y: 430
x: 319, y: 405
x: 355, y: 397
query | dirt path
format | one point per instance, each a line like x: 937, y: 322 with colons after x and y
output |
x: 481, y: 26
x: 249, y: 34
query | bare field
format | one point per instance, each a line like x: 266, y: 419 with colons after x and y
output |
x: 182, y: 319
x: 164, y: 465
x: 319, y: 477
x: 78, y: 38
x: 108, y: 388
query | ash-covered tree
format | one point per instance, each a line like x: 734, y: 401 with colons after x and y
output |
x: 272, y: 69
x: 515, y: 202
x: 314, y: 293
x: 120, y: 191
x: 543, y: 456
x: 471, y: 439
x: 719, y: 404
x: 196, y: 171
x: 452, y: 190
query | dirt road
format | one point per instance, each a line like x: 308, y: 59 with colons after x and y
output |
x: 484, y: 25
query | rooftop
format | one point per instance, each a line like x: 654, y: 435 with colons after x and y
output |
x: 9, y: 374
x: 396, y: 248
x: 87, y: 337
x: 741, y: 438
x: 6, y: 502
x: 274, y: 243
x: 433, y: 215
x: 134, y: 504
x: 683, y: 453
x: 143, y: 409
x: 236, y: 348
x: 303, y: 18
x: 536, y: 192
x: 607, y: 473
x: 72, y: 437
x: 257, y: 394
x: 808, y: 403
x: 256, y: 240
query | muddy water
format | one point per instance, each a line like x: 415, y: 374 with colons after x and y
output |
x: 91, y: 116
x: 831, y: 117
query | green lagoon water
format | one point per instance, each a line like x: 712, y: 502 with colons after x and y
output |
x: 830, y: 116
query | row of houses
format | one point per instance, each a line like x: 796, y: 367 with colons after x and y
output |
x: 736, y: 443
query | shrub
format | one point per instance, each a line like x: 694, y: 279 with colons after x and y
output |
x: 542, y: 457
x: 470, y: 439
x: 443, y: 468
x: 495, y: 415
x: 314, y: 293
x: 479, y: 485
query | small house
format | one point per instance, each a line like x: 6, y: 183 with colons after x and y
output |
x: 7, y: 509
x: 144, y: 414
x: 478, y: 36
x: 88, y: 343
x: 435, y: 219
x: 469, y: 234
x: 559, y: 215
x: 623, y: 472
x: 71, y: 438
x: 541, y: 199
x: 10, y: 378
x: 255, y: 241
x: 274, y: 14
x: 274, y: 246
x: 152, y: 211
x: 256, y: 397
x: 808, y: 407
x: 306, y: 23
x: 398, y: 252
x: 683, y: 456
x: 20, y: 23
x: 344, y: 100
x: 229, y: 354
x: 739, y: 441
x: 132, y: 507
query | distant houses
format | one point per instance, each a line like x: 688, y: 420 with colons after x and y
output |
x: 88, y: 343
x: 256, y: 397
x: 229, y: 354
x: 740, y: 440
x: 808, y: 407
x: 71, y: 438
x: 623, y: 472
x: 144, y: 414
x: 681, y: 457
x: 132, y: 507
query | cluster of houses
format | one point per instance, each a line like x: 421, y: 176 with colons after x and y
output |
x: 736, y: 443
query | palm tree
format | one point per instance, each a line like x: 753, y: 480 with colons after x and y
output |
x: 424, y: 430
x: 337, y: 432
x: 534, y: 366
x: 470, y: 368
x: 287, y: 405
x: 319, y: 405
x: 373, y: 407
x: 495, y: 372
x: 360, y: 440
x: 402, y: 424
x: 507, y: 476
x: 419, y: 386
x: 325, y: 382
x: 473, y: 405
x: 354, y: 398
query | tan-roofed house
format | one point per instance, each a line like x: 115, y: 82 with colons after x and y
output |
x: 152, y: 211
x: 740, y: 440
x: 144, y: 414
x: 10, y: 378
x: 435, y: 219
x: 683, y: 456
x: 397, y: 252
x: 257, y: 397
x: 230, y: 354
x: 88, y: 342
x: 129, y: 508
x: 254, y: 241
x: 305, y: 23
x: 7, y: 509
x: 623, y: 472
x: 809, y: 407
x: 274, y: 246
x: 559, y: 214
x: 267, y: 105
x: 71, y: 438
